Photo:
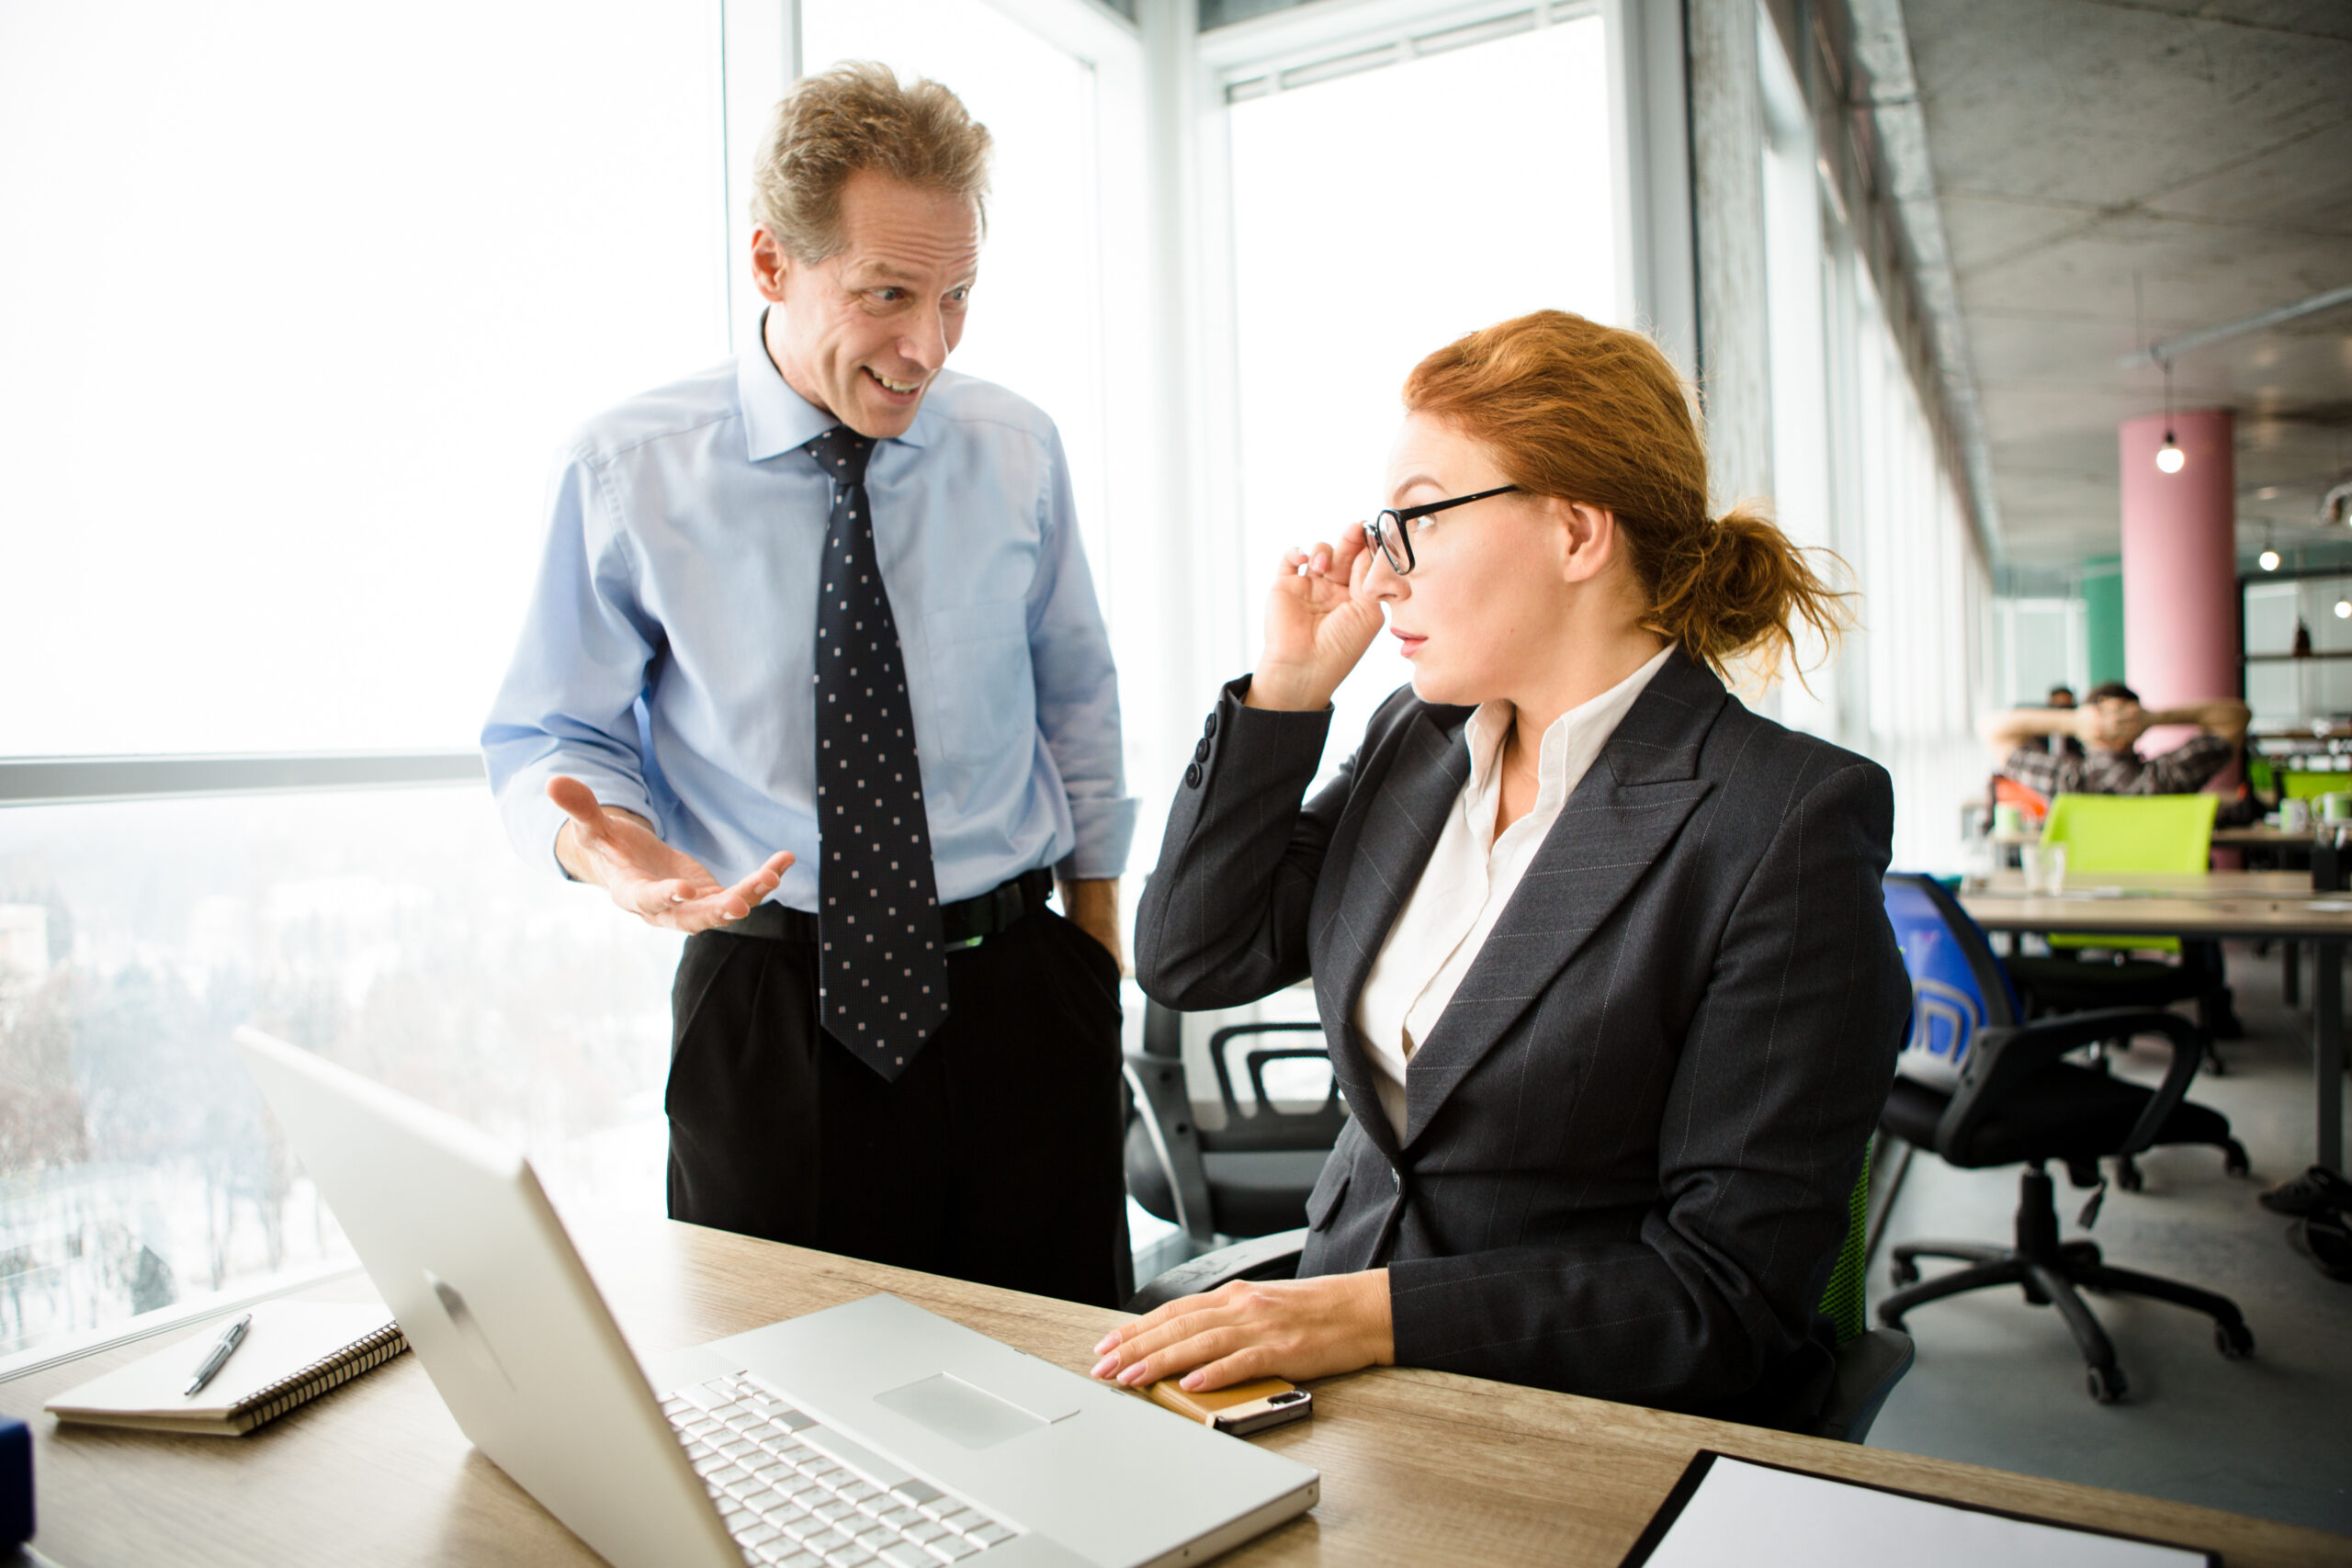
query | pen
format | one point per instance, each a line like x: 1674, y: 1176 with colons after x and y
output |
x: 220, y: 1354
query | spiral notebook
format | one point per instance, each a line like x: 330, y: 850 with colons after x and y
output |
x: 294, y: 1351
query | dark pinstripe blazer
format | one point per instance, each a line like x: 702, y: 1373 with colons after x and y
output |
x: 1631, y: 1134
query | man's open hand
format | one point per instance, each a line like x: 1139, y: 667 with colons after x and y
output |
x: 618, y: 852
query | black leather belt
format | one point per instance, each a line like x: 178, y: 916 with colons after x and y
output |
x: 964, y: 923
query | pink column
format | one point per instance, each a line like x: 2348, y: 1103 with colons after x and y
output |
x: 2180, y: 592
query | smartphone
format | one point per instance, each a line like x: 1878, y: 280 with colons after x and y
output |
x: 1242, y: 1408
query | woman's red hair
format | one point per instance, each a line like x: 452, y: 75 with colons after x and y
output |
x: 1597, y: 414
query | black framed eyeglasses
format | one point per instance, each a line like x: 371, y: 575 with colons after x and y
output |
x: 1395, y: 541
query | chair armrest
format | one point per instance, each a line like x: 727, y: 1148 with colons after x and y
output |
x: 2000, y: 1058
x: 1232, y: 1032
x: 1158, y: 1084
x: 1869, y: 1366
x: 1272, y: 1257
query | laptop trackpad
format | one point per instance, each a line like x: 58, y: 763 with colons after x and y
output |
x: 960, y: 1411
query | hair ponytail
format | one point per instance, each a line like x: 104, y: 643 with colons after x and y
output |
x: 1597, y: 414
x: 1733, y: 593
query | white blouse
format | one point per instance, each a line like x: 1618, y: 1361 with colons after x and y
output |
x: 1470, y: 877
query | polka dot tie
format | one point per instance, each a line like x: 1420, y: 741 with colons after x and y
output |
x: 882, y: 981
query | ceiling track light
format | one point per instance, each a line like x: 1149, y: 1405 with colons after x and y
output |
x: 2170, y: 458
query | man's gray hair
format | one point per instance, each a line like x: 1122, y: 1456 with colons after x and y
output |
x: 860, y: 116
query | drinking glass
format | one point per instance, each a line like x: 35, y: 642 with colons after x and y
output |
x: 2045, y: 868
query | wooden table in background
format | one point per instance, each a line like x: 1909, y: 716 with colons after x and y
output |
x: 1419, y: 1467
x: 2255, y: 835
x: 2250, y: 904
x: 2284, y: 886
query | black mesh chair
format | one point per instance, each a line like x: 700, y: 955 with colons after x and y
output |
x: 2018, y: 1101
x: 1250, y: 1176
x: 2084, y: 982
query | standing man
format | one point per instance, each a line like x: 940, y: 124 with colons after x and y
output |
x: 814, y: 671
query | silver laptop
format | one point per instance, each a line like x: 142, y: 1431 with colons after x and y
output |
x: 869, y: 1433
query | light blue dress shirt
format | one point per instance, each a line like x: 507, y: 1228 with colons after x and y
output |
x: 668, y: 661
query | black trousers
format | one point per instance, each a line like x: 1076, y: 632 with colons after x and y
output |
x: 995, y: 1156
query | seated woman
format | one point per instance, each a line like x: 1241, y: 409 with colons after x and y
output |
x: 1601, y: 954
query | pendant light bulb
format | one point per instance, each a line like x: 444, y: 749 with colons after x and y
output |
x: 2269, y: 559
x: 2170, y: 458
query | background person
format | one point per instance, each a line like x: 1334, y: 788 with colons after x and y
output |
x: 2062, y: 697
x: 2109, y: 724
x: 1601, y: 956
x: 815, y: 628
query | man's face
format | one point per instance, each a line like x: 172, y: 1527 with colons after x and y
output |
x: 863, y: 333
x: 2117, y: 723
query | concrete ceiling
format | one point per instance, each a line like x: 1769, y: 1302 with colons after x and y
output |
x: 2202, y: 147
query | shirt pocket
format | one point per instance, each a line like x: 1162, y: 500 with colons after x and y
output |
x: 983, y: 698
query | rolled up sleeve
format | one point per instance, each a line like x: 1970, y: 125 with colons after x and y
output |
x: 569, y: 704
x: 1078, y: 688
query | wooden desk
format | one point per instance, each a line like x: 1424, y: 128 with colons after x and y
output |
x: 1418, y: 1467
x: 2219, y: 903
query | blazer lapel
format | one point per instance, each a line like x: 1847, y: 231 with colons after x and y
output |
x: 1614, y: 826
x: 1389, y: 846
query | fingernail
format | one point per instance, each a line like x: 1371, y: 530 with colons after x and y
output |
x: 1110, y: 1341
x: 1104, y: 1366
x: 1194, y: 1380
x: 1133, y: 1375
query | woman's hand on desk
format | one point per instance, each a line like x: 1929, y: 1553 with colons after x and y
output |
x: 1252, y: 1328
x: 618, y: 851
x: 1318, y: 621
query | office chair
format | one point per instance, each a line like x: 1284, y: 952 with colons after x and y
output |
x: 1870, y: 1361
x: 2131, y: 832
x: 1250, y: 1176
x: 1979, y: 1088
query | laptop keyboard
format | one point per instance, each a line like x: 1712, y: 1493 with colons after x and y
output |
x: 797, y: 1494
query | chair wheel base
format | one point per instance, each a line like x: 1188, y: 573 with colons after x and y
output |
x: 2233, y: 1340
x: 1903, y: 1271
x: 2106, y: 1383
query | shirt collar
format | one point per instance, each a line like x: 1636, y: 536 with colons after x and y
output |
x: 776, y: 419
x: 1590, y: 722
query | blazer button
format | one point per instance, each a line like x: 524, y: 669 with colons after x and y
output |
x: 1201, y: 752
x: 1192, y: 775
x: 1396, y: 1179
x: 1209, y: 729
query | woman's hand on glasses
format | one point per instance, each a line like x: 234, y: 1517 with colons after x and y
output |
x: 1318, y: 621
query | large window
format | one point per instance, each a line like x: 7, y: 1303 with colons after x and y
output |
x: 1857, y: 469
x: 297, y: 302
x: 1378, y: 214
x: 392, y: 932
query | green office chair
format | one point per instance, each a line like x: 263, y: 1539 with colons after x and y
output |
x: 2299, y: 783
x: 2085, y: 974
x: 1870, y: 1361
x: 2131, y: 832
